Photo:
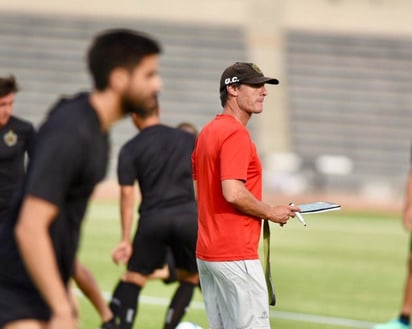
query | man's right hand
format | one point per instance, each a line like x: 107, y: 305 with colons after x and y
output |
x: 281, y: 214
x: 122, y: 253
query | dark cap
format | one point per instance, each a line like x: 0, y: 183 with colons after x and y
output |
x: 247, y: 73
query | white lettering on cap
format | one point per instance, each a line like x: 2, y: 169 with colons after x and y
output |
x: 228, y: 81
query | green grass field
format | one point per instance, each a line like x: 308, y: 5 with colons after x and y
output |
x: 342, y: 266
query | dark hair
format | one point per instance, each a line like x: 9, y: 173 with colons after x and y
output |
x: 189, y: 127
x: 224, y: 94
x: 8, y: 85
x: 118, y: 48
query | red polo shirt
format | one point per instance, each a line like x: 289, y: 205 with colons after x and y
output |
x: 224, y: 150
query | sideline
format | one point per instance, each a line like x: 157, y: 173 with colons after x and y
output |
x: 302, y: 317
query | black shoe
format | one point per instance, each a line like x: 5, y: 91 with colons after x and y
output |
x: 111, y: 324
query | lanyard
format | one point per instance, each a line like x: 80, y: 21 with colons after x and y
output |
x: 266, y: 260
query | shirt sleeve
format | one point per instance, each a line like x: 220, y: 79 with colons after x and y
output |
x: 235, y: 156
x: 125, y: 167
x: 56, y: 163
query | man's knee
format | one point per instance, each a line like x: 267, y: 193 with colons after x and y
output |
x: 188, y: 277
x: 135, y: 278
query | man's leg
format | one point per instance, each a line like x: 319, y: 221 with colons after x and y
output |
x: 26, y: 324
x: 210, y: 291
x: 407, y: 300
x: 240, y: 293
x: 403, y: 321
x: 168, y: 272
x: 124, y: 302
x: 88, y: 285
x: 181, y: 299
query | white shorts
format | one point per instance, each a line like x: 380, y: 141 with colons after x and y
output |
x: 235, y: 294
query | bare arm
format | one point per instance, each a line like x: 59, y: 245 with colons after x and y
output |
x: 123, y: 251
x: 88, y: 285
x: 235, y: 192
x: 127, y: 210
x: 195, y: 188
x: 36, y: 249
x: 407, y: 211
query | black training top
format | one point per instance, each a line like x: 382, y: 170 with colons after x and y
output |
x: 70, y: 157
x: 16, y: 138
x: 159, y: 158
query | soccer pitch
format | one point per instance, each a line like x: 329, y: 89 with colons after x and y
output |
x: 344, y: 270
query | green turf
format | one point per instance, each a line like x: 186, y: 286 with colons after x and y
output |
x: 344, y: 265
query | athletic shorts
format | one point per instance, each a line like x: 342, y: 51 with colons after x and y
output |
x: 174, y: 228
x: 20, y: 303
x: 235, y: 294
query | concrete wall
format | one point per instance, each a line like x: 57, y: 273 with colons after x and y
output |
x: 264, y: 22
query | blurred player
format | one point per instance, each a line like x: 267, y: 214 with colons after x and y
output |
x: 16, y: 140
x: 403, y: 321
x: 158, y: 158
x: 40, y: 238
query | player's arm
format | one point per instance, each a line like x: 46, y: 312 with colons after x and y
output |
x: 127, y: 196
x: 35, y: 245
x: 88, y: 285
x: 123, y: 251
x: 195, y: 188
x: 236, y: 193
x: 407, y: 210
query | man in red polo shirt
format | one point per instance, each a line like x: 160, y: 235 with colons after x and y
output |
x: 228, y: 177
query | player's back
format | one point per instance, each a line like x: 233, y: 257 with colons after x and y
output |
x: 160, y: 158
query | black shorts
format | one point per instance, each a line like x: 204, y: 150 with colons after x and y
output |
x: 18, y: 302
x: 174, y: 229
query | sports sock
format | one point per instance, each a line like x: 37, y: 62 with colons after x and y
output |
x: 124, y: 303
x: 404, y: 318
x: 179, y: 303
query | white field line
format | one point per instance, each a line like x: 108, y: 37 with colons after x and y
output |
x: 320, y: 319
x: 349, y: 323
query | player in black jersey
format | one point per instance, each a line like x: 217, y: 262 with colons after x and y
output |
x: 16, y: 140
x: 159, y: 160
x: 40, y: 238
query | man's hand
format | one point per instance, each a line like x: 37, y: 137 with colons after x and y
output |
x: 122, y: 253
x: 281, y: 214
